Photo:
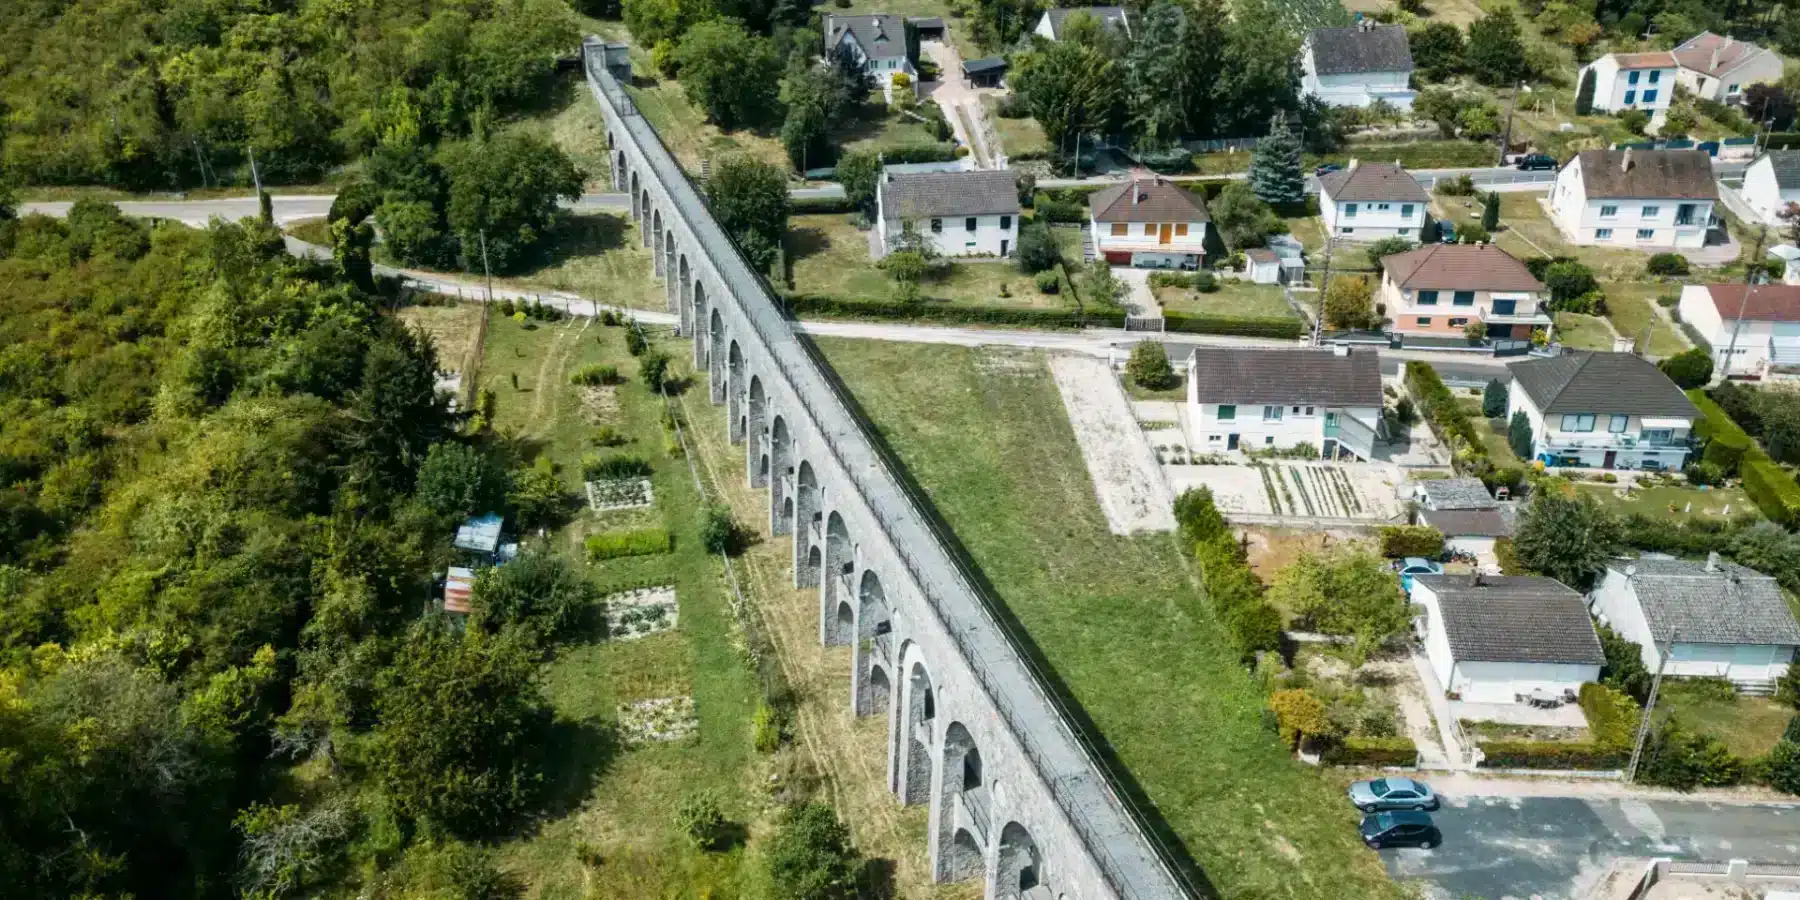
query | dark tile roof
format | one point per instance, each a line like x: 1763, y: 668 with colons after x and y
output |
x: 1359, y: 48
x: 1457, y: 493
x: 1281, y: 375
x: 985, y: 64
x: 880, y: 36
x: 1766, y: 303
x: 1109, y: 16
x: 1460, y: 267
x: 1373, y: 181
x: 1733, y: 605
x: 1592, y: 382
x: 1514, y: 618
x: 1454, y: 523
x: 991, y: 192
x: 926, y: 22
x: 1786, y: 164
x: 1147, y: 200
x: 1647, y: 174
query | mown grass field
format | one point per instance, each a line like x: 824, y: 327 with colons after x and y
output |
x: 1233, y: 298
x: 1120, y: 620
x: 1632, y: 308
x: 830, y: 256
x: 1750, y: 726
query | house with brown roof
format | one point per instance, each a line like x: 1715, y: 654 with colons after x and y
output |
x: 1716, y: 67
x: 1754, y: 332
x: 1439, y: 289
x: 1371, y: 201
x: 1644, y: 199
x: 1149, y: 222
x: 1278, y: 398
x: 1623, y: 81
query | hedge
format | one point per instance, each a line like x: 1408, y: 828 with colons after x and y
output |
x: 1553, y: 755
x: 640, y: 542
x: 918, y: 153
x: 940, y: 311
x: 1192, y: 323
x: 1612, y: 716
x: 1440, y: 407
x: 1770, y: 487
x: 1354, y: 751
x: 1727, y: 452
x: 1237, y: 596
x: 819, y: 205
x: 1411, y: 540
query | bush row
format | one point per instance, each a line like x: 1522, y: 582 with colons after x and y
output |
x: 819, y: 205
x: 638, y: 542
x: 1191, y: 323
x: 1237, y: 596
x: 1612, y: 715
x: 918, y: 153
x: 1770, y: 487
x: 1440, y: 407
x: 1553, y: 755
x: 1384, y: 751
x: 938, y: 311
x: 1411, y: 540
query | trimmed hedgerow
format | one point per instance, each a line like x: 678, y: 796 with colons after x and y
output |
x: 829, y: 306
x: 1363, y: 751
x: 1553, y: 755
x: 639, y: 542
x: 1192, y: 323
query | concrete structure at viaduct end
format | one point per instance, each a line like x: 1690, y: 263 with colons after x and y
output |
x: 1015, y: 797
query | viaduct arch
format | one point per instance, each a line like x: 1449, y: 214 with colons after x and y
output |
x: 1014, y: 797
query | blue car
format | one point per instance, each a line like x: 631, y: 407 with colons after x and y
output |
x: 1400, y: 829
x: 1387, y: 794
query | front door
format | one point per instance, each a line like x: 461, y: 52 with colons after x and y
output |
x: 1231, y: 442
x: 1612, y: 456
x: 1003, y: 243
x: 1168, y: 231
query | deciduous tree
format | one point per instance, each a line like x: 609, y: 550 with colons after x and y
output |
x: 1496, y: 53
x: 731, y: 73
x: 1242, y: 219
x: 750, y: 199
x: 1568, y: 538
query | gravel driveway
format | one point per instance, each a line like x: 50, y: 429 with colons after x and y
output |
x: 1126, y: 475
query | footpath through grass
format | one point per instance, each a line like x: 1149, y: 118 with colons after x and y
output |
x: 1120, y: 620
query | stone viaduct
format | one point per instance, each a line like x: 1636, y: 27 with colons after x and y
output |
x: 1015, y: 797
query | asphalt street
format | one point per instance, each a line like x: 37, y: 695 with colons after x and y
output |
x: 1557, y: 848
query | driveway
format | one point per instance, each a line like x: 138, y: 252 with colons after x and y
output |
x: 1559, y: 848
x: 962, y: 106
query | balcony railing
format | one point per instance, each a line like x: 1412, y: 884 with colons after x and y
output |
x: 1615, y: 442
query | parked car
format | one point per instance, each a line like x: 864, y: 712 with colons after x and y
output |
x: 1446, y: 233
x: 1327, y: 169
x: 1415, y: 565
x: 1400, y: 829
x: 1384, y: 794
x: 1536, y: 162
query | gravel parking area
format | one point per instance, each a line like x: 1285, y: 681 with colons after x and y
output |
x: 1124, y: 469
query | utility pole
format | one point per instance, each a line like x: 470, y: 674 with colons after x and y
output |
x: 1637, y: 750
x: 1506, y: 135
x: 484, y: 268
x: 1743, y: 305
x: 254, y: 175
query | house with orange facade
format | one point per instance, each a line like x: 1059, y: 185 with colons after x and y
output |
x: 1439, y: 289
x: 1149, y: 222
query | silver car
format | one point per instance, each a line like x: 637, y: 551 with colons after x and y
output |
x: 1392, y: 793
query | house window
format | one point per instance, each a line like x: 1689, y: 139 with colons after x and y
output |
x: 1644, y: 234
x: 1603, y: 234
x: 937, y: 226
x: 1149, y: 228
x: 1458, y: 323
x: 1404, y: 232
x: 1271, y: 414
x: 1268, y: 439
x: 1381, y: 207
x: 1607, y: 212
x: 1349, y: 210
x: 1006, y: 223
x: 1346, y: 230
x: 1309, y: 410
x: 1732, y: 89
x: 1632, y: 78
x: 1649, y: 96
x: 1464, y: 298
x: 1212, y: 438
x: 1227, y: 412
x: 1296, y: 410
x: 1618, y: 423
x: 1578, y: 422
x: 1181, y: 229
x: 1405, y: 210
x: 969, y: 224
x: 1631, y: 96
x: 1655, y: 77
x: 1649, y: 212
x: 1424, y: 321
x: 1428, y: 298
x: 1120, y: 229
x: 1658, y: 436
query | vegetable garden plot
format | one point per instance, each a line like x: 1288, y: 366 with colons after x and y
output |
x: 657, y: 720
x: 640, y: 613
x: 621, y: 493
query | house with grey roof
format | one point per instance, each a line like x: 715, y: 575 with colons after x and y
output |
x: 1506, y: 639
x: 1643, y: 199
x: 1596, y: 410
x: 1771, y: 183
x: 1371, y: 201
x: 881, y: 44
x: 1050, y: 24
x: 1693, y: 619
x: 1358, y: 65
x: 1468, y: 517
x: 962, y: 213
x: 1277, y: 398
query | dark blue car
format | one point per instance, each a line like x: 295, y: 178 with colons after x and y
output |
x: 1400, y: 829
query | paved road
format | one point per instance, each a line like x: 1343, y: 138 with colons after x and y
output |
x: 1557, y: 848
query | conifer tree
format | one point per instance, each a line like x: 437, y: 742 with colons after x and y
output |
x: 1275, y: 173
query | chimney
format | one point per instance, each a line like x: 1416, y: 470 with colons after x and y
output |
x: 1475, y: 577
x: 1340, y: 349
x: 1352, y: 166
x: 1712, y: 561
x: 1628, y: 160
x: 1714, y: 64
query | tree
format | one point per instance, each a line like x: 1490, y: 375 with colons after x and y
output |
x: 1162, y: 75
x: 803, y: 136
x: 396, y: 413
x: 1679, y: 121
x: 1624, y: 670
x: 1770, y: 103
x: 1437, y: 51
x: 507, y: 188
x: 1070, y: 89
x: 1037, y: 248
x: 285, y: 850
x: 653, y: 370
x: 1496, y: 53
x: 1241, y: 218
x: 1149, y: 366
x: 539, y: 593
x: 537, y: 495
x: 462, y: 720
x: 1567, y: 538
x: 750, y: 199
x: 1490, y: 212
x: 1493, y: 399
x: 1275, y: 173
x: 1691, y: 368
x: 810, y: 857
x: 731, y: 73
x: 1584, y: 95
x: 1199, y: 516
x: 1299, y: 715
x: 1386, y: 247
x: 1569, y: 280
x: 859, y: 171
x: 815, y: 95
x: 1443, y: 108
x: 1353, y: 593
x: 1349, y: 303
x: 457, y: 481
x: 1103, y: 287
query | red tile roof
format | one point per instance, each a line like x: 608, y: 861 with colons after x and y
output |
x: 1460, y: 267
x: 1767, y: 302
x: 1146, y: 200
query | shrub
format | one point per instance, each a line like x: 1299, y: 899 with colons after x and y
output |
x: 1771, y: 488
x: 1568, y: 280
x: 608, y: 436
x: 1300, y: 715
x: 765, y: 729
x: 1442, y: 411
x: 1586, y: 755
x: 595, y: 374
x: 1171, y: 279
x: 653, y: 368
x: 1691, y: 368
x: 718, y: 533
x: 1037, y: 250
x: 1473, y: 233
x: 1048, y: 282
x: 1493, y: 399
x: 1667, y: 264
x: 613, y: 468
x: 1684, y: 760
x: 1199, y: 517
x: 1792, y: 732
x: 1612, y: 715
x: 1190, y: 323
x: 810, y: 857
x: 1782, y: 767
x: 635, y: 342
x: 1411, y: 540
x: 700, y: 818
x: 1237, y: 596
x: 1149, y: 366
x: 1725, y: 452
x: 1372, y: 751
x: 638, y: 542
x: 1634, y: 120
x: 1206, y: 282
x: 1704, y: 473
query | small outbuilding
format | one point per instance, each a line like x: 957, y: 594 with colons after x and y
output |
x: 1468, y: 517
x: 1262, y: 265
x: 1507, y: 639
x: 986, y: 72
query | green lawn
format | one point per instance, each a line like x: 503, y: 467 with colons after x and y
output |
x: 1583, y: 332
x: 877, y: 129
x: 1632, y: 307
x: 625, y: 814
x: 1669, y: 501
x: 1494, y: 435
x: 830, y: 256
x: 1233, y: 298
x: 1526, y: 232
x: 1120, y: 620
x: 1750, y: 726
x: 598, y: 255
x: 1018, y: 137
x: 574, y: 123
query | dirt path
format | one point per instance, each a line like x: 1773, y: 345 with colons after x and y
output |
x: 566, y: 342
x: 1124, y: 469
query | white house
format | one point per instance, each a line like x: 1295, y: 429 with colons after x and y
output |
x: 1756, y: 328
x: 1268, y: 398
x: 1602, y: 411
x: 1771, y: 183
x: 1624, y: 81
x: 957, y: 213
x: 878, y: 42
x: 1719, y: 68
x: 1463, y: 511
x: 1371, y: 201
x: 1358, y: 65
x: 1050, y: 24
x: 1149, y: 222
x: 1645, y: 199
x: 1499, y: 639
x: 1714, y: 619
